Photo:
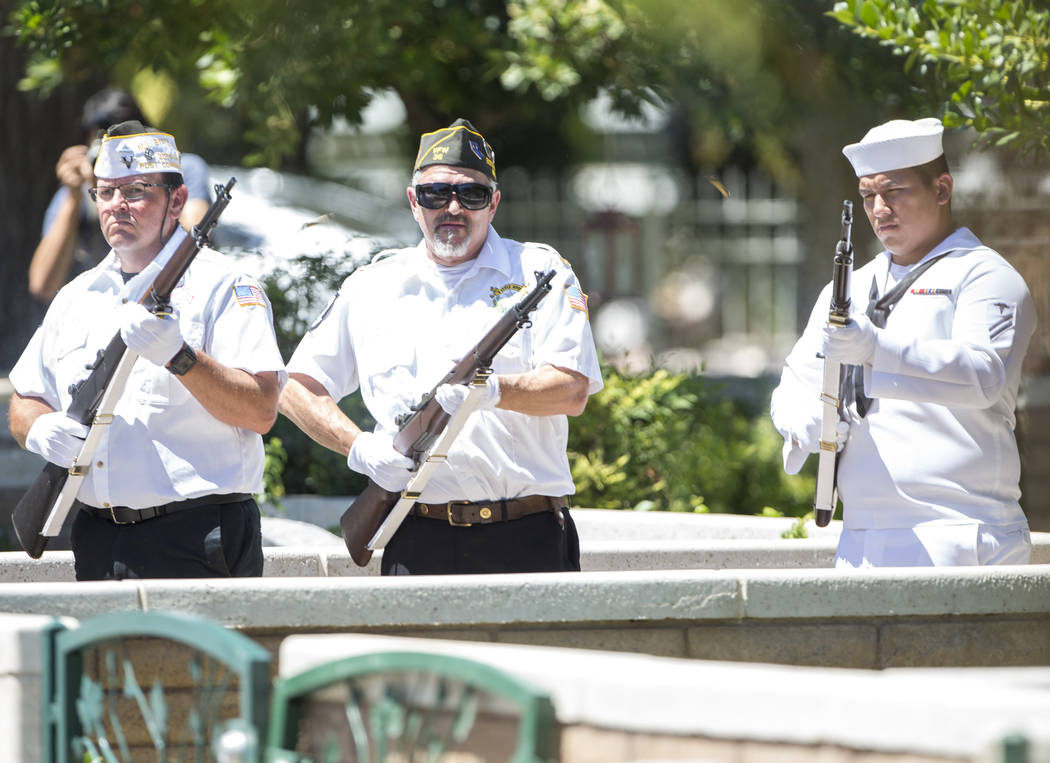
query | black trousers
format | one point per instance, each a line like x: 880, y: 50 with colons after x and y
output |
x: 209, y: 541
x: 535, y: 543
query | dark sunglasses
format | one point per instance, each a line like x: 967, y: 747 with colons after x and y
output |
x: 471, y: 196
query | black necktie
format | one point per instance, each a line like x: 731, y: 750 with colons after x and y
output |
x: 878, y: 313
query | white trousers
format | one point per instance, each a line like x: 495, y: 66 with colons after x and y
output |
x: 934, y: 546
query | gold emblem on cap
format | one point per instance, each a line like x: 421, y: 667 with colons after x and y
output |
x: 486, y: 513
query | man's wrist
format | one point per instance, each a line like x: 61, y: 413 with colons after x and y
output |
x: 182, y: 361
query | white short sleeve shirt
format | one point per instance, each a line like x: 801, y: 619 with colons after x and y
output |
x: 396, y: 329
x: 162, y: 445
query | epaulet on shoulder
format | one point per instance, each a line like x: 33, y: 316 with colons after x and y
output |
x: 550, y: 251
x: 384, y: 256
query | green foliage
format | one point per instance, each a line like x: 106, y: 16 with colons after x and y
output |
x: 798, y: 528
x: 307, y: 467
x: 281, y: 69
x: 739, y: 75
x: 676, y: 442
x: 298, y: 294
x: 990, y: 55
x: 273, y: 472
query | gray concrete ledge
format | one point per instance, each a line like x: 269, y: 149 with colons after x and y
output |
x: 942, y: 712
x: 868, y: 619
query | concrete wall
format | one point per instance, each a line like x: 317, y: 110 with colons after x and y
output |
x: 617, y: 707
x: 873, y: 619
x: 623, y: 707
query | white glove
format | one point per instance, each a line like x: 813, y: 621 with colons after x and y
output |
x: 853, y: 343
x: 57, y: 438
x: 798, y: 445
x: 373, y: 455
x: 451, y: 396
x: 155, y: 337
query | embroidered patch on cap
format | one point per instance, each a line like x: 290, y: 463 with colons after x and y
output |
x: 249, y: 294
x: 127, y: 155
x: 577, y: 299
x: 932, y: 292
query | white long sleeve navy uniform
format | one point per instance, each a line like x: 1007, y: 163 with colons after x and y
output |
x: 937, y: 447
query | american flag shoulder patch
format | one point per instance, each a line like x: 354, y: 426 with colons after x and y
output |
x: 248, y: 294
x: 577, y: 299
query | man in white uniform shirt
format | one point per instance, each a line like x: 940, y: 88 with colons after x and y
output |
x: 930, y: 472
x: 169, y: 490
x: 398, y: 326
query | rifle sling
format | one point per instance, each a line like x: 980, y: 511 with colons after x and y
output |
x: 878, y: 312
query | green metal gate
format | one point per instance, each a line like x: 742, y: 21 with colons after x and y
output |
x: 411, y: 707
x: 207, y: 699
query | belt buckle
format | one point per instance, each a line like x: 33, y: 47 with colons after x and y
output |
x: 448, y: 512
x: 113, y: 516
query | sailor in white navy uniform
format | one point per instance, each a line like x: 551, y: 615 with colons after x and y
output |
x: 169, y: 491
x: 930, y: 472
x: 396, y: 328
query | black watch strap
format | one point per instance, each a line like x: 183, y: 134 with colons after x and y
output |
x: 183, y: 361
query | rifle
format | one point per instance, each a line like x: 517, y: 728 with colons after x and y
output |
x: 376, y: 513
x: 41, y: 512
x: 836, y: 376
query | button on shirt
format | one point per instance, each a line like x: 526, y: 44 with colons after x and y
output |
x: 396, y: 329
x: 937, y: 446
x: 162, y: 445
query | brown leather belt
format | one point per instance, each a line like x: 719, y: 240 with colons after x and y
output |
x: 466, y: 513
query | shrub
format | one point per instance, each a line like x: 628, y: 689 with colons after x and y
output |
x: 679, y: 442
x: 654, y: 441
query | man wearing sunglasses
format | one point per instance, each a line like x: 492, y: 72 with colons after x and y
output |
x: 499, y: 501
x: 168, y: 491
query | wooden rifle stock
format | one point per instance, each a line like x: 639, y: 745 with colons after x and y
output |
x: 836, y: 376
x: 420, y: 428
x: 37, y: 507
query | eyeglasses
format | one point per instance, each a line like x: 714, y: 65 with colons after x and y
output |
x: 471, y: 196
x: 130, y: 191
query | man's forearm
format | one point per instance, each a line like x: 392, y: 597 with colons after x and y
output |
x: 233, y: 396
x: 312, y: 409
x: 53, y: 257
x: 22, y: 412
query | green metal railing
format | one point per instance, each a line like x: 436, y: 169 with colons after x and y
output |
x: 410, y: 706
x: 170, y: 687
x: 95, y: 706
